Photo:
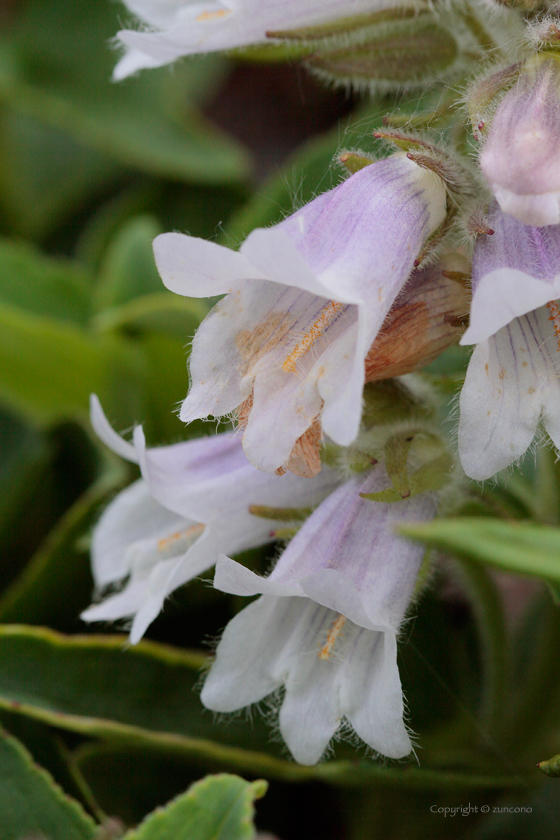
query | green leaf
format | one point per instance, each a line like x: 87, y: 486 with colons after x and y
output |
x: 522, y: 547
x: 31, y: 803
x: 143, y: 696
x: 48, y: 369
x: 56, y: 64
x: 42, y: 285
x: 26, y: 453
x: 36, y: 193
x: 56, y: 584
x: 167, y: 381
x: 163, y: 312
x: 216, y: 808
x: 129, y: 270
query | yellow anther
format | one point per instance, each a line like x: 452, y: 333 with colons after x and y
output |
x: 554, y: 310
x: 187, y: 536
x: 219, y: 13
x: 329, y: 313
x: 334, y: 633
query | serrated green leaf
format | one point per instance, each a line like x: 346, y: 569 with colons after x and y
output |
x: 56, y: 64
x: 48, y: 369
x: 523, y: 547
x: 31, y: 804
x: 143, y: 696
x: 215, y: 808
x: 42, y: 285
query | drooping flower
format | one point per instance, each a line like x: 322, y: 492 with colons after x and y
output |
x: 307, y: 298
x: 191, y: 503
x: 201, y: 26
x: 332, y: 670
x: 329, y: 618
x: 521, y: 157
x: 513, y: 376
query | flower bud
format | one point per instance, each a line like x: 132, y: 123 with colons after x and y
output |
x: 521, y: 158
x: 407, y: 49
x: 428, y: 316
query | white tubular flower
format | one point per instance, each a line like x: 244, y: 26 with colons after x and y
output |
x: 513, y: 377
x: 329, y: 620
x: 186, y: 28
x: 169, y: 527
x: 307, y: 298
x: 332, y: 671
x: 521, y: 158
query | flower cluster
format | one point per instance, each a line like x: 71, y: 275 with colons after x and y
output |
x: 318, y: 316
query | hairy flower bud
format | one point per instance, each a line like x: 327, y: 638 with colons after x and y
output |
x: 521, y: 157
x: 406, y: 50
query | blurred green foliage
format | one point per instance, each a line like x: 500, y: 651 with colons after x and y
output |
x: 91, y: 172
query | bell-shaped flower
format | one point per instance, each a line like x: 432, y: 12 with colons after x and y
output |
x: 329, y: 620
x: 521, y: 157
x: 333, y: 671
x: 307, y: 298
x: 186, y: 27
x: 191, y: 503
x: 513, y: 376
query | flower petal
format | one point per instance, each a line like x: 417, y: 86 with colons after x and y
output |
x: 198, y: 268
x: 511, y: 379
x: 107, y: 434
x: 371, y: 694
x: 243, y: 671
x: 515, y: 270
x: 134, y: 516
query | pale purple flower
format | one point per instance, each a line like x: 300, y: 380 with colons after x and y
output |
x: 332, y: 674
x: 185, y: 28
x: 307, y: 297
x: 191, y: 503
x: 513, y: 377
x: 521, y: 157
x: 329, y: 618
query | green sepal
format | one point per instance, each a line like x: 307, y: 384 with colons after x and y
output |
x: 431, y: 475
x: 550, y: 767
x: 353, y: 162
x: 390, y: 401
x: 284, y: 533
x: 344, y: 26
x: 280, y: 514
x: 396, y: 52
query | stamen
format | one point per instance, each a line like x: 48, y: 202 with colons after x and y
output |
x: 219, y: 13
x: 554, y: 310
x: 334, y: 633
x: 187, y: 536
x: 328, y: 314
